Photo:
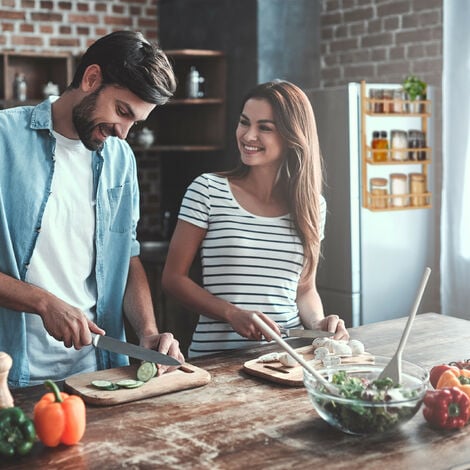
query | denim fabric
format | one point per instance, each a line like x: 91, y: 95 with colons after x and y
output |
x: 27, y: 150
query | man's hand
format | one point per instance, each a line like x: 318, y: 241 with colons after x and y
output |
x: 165, y: 343
x: 68, y: 324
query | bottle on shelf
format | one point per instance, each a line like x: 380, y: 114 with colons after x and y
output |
x: 194, y: 83
x: 379, y: 146
x: 20, y: 87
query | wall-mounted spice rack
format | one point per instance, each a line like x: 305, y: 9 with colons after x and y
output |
x: 415, y: 194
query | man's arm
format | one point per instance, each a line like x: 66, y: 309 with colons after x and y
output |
x: 138, y: 309
x: 62, y: 321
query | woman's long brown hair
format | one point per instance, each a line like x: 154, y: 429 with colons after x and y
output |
x: 301, y: 171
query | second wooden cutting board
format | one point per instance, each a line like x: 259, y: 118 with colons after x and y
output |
x: 186, y: 377
x: 293, y: 376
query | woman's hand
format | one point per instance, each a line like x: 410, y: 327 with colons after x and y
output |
x: 242, y: 322
x: 334, y: 325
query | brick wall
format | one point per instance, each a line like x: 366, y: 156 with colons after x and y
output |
x: 71, y: 26
x: 383, y: 41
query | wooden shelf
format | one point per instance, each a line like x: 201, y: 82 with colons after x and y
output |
x: 38, y: 69
x: 375, y: 203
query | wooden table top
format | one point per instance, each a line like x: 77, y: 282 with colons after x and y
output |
x: 238, y: 421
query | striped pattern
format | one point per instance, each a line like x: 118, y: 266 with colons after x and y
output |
x: 251, y: 261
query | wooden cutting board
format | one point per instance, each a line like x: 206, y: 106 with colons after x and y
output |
x: 293, y: 376
x: 186, y: 377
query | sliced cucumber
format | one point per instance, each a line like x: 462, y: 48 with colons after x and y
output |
x: 146, y: 371
x: 104, y: 385
x: 129, y: 383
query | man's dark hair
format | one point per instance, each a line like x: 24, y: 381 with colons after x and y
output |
x: 128, y: 60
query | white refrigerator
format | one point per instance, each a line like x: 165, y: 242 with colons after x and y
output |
x: 372, y: 262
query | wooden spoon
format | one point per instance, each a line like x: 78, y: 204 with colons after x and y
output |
x: 393, y: 368
x: 268, y: 331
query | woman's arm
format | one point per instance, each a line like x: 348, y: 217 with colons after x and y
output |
x: 184, y: 246
x: 311, y: 310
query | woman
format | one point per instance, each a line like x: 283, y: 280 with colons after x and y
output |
x: 259, y: 228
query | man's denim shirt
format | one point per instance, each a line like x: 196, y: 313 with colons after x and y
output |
x: 27, y: 148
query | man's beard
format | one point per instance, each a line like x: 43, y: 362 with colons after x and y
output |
x: 83, y: 124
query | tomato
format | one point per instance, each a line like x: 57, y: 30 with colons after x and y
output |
x: 436, y: 372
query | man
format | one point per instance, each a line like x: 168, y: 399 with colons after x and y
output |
x: 69, y: 206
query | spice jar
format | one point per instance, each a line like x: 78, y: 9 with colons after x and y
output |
x: 378, y: 191
x: 422, y: 146
x: 379, y: 146
x: 398, y: 186
x: 397, y: 105
x: 413, y: 144
x: 376, y: 106
x: 418, y: 186
x: 388, y: 101
x: 399, y: 144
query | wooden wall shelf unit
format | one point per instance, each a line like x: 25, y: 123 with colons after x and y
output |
x: 38, y: 69
x: 406, y: 108
x: 192, y: 124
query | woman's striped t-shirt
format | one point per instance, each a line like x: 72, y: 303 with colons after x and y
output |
x: 251, y: 261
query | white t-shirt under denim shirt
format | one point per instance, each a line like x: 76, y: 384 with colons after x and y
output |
x: 63, y: 261
x: 251, y: 261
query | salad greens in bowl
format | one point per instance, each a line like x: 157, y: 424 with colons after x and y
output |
x: 364, y: 404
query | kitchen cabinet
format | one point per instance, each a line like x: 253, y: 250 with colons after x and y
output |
x: 38, y: 69
x: 192, y: 124
x: 399, y: 113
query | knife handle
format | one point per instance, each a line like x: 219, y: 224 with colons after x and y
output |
x: 94, y: 339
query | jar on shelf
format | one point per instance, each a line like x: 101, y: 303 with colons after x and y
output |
x: 398, y: 189
x: 422, y: 145
x: 418, y: 186
x: 399, y: 145
x: 417, y: 145
x: 388, y: 101
x: 379, y: 193
x: 379, y: 146
x: 376, y: 106
x: 397, y: 106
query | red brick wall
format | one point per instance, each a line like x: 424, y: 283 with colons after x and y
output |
x: 381, y: 40
x: 71, y: 25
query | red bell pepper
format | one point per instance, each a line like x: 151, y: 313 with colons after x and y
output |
x: 446, y: 408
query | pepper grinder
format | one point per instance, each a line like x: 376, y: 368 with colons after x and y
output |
x: 6, y: 399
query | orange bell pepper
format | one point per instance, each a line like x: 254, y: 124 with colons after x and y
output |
x: 455, y: 378
x: 59, y: 417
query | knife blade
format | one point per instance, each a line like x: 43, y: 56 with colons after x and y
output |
x: 132, y: 350
x: 300, y: 333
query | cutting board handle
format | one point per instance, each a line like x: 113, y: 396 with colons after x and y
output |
x: 6, y: 399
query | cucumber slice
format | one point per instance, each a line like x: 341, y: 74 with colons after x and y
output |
x: 146, y: 371
x: 104, y: 385
x: 129, y: 383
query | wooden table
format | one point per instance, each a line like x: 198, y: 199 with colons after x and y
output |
x: 242, y: 422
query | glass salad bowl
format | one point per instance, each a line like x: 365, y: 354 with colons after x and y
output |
x: 366, y: 407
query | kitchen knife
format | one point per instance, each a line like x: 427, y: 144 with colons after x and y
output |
x: 300, y: 333
x: 132, y: 350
